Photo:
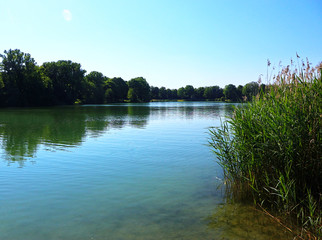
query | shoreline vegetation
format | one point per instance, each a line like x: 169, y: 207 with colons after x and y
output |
x: 271, y: 150
x: 25, y: 84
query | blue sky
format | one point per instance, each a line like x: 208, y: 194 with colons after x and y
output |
x: 171, y: 43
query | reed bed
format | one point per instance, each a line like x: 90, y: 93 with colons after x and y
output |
x: 270, y: 149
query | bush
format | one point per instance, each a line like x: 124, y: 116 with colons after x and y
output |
x: 273, y: 146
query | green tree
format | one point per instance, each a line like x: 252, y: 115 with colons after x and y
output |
x: 189, y: 92
x: 250, y: 90
x: 154, y: 92
x: 199, y: 92
x: 67, y: 79
x: 139, y: 90
x: 240, y: 92
x: 22, y: 81
x: 109, y: 95
x: 169, y: 94
x: 181, y: 93
x: 117, y: 90
x: 1, y: 81
x: 213, y: 92
x: 95, y: 84
x: 230, y: 92
x: 162, y: 93
x: 174, y: 93
x: 2, y: 99
x: 132, y: 96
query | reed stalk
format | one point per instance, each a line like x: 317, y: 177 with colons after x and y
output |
x: 273, y: 145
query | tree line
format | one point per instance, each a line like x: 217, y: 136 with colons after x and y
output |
x: 23, y: 83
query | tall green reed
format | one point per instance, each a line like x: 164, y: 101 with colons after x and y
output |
x: 272, y: 146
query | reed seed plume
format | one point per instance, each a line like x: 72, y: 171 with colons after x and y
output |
x: 273, y: 145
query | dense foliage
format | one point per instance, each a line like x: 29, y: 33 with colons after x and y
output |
x: 23, y: 83
x: 272, y: 147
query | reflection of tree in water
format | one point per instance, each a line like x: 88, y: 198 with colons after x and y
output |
x: 191, y: 110
x: 23, y: 130
x: 138, y: 116
x: 57, y: 128
x: 103, y: 118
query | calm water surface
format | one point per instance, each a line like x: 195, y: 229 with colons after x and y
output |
x: 121, y: 171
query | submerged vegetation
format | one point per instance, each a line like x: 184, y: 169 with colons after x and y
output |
x: 270, y: 149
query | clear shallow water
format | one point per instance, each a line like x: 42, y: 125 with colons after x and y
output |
x: 121, y: 171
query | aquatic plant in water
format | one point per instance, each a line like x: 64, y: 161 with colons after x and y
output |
x: 270, y: 149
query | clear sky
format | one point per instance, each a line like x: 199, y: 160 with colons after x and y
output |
x: 171, y: 43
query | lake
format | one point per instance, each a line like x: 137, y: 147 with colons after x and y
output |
x: 118, y: 171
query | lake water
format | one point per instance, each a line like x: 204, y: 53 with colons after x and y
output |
x: 119, y: 171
